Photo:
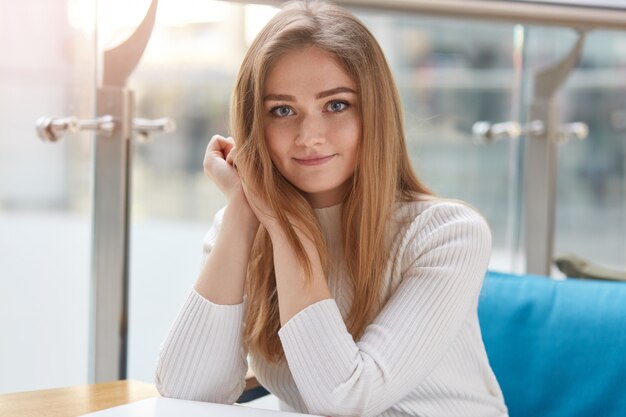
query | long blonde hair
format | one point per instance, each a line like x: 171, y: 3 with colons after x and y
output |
x: 383, y: 173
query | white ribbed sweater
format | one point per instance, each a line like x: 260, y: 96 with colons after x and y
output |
x: 422, y: 355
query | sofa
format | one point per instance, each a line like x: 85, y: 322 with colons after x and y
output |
x: 557, y: 347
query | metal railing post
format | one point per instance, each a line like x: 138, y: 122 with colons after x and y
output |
x: 540, y: 163
x: 112, y: 175
x: 110, y: 231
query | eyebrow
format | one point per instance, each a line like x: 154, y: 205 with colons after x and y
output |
x: 332, y: 91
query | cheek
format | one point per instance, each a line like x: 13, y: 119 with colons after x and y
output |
x: 276, y: 142
x: 348, y: 132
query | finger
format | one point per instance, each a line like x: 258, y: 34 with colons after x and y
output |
x: 261, y: 210
x: 226, y: 144
x: 230, y: 158
x: 220, y: 144
x: 217, y: 149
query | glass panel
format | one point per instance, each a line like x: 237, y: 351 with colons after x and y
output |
x: 45, y: 199
x: 187, y: 73
x: 591, y: 208
x: 450, y: 73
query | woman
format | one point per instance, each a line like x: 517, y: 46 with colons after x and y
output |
x: 352, y: 288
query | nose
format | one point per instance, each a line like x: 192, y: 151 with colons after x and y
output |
x: 311, y: 132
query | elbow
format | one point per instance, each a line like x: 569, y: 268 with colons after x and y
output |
x: 340, y: 402
x: 199, y: 390
x: 161, y: 385
x: 339, y: 409
x: 166, y: 386
x: 363, y: 391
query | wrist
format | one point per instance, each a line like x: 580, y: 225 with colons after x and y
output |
x: 239, y: 212
x: 274, y: 229
x: 278, y: 236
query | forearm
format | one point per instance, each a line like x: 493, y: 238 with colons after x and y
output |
x: 223, y: 275
x: 436, y: 296
x: 293, y: 293
x: 203, y: 358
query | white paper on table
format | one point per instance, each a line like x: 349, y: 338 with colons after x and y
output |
x: 169, y: 407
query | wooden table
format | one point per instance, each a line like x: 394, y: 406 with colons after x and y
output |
x: 83, y: 399
x: 74, y: 401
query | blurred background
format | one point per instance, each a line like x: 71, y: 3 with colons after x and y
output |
x: 451, y: 74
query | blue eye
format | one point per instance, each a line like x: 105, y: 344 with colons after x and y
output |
x: 337, y: 106
x: 281, y: 111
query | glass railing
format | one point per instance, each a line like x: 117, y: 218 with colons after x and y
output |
x: 47, y: 66
x: 452, y: 73
x: 453, y: 70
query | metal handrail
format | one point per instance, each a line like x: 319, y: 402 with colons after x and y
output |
x: 548, y: 14
x: 508, y: 11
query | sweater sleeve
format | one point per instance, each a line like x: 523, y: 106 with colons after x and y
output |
x: 202, y: 357
x: 446, y: 263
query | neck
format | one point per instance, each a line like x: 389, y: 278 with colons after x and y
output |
x: 328, y: 198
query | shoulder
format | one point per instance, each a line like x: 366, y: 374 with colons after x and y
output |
x: 435, y: 213
x: 430, y: 223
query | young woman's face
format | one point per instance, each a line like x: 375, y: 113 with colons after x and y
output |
x: 312, y: 124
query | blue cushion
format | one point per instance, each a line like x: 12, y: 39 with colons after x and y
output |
x: 558, y: 348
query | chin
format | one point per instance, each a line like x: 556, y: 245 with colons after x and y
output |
x: 313, y: 189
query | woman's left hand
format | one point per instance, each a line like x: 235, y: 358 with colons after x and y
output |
x: 262, y: 210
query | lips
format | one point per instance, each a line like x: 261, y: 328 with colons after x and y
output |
x: 314, y: 160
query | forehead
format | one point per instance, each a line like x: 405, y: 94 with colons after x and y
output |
x: 307, y: 70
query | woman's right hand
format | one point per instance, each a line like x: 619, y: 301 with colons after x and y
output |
x: 218, y: 165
